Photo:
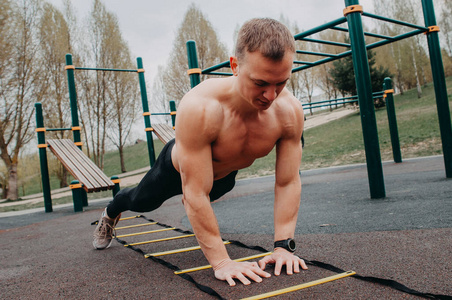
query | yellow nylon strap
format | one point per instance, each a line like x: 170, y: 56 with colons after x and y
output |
x: 149, y: 129
x: 146, y: 113
x: 41, y: 129
x: 173, y: 113
x: 76, y: 128
x: 391, y: 91
x: 69, y: 67
x: 116, y: 181
x: 42, y: 146
x: 140, y: 71
x: 352, y: 8
x: 78, y: 143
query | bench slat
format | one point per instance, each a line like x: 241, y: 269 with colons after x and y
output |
x: 65, y: 158
x: 102, y: 180
x: 80, y: 166
x: 164, y: 132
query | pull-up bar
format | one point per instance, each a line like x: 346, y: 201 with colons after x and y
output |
x: 358, y: 50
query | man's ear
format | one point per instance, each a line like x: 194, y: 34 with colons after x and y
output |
x: 234, y: 65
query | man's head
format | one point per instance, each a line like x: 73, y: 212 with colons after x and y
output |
x: 267, y: 36
x: 263, y: 63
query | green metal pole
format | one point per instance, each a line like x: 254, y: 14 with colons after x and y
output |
x: 146, y: 113
x: 77, y: 195
x: 43, y: 158
x: 193, y: 66
x: 73, y: 100
x: 172, y: 105
x: 392, y: 120
x: 439, y: 81
x: 366, y: 104
x: 116, y: 181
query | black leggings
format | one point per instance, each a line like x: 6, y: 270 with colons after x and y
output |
x: 158, y: 185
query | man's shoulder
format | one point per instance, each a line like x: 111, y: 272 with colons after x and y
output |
x: 201, y: 104
x: 288, y: 103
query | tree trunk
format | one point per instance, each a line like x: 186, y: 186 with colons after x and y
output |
x: 12, y: 192
x: 121, y: 158
x: 416, y: 74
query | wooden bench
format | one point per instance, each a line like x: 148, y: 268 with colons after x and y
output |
x: 164, y: 132
x: 80, y: 166
x: 88, y: 175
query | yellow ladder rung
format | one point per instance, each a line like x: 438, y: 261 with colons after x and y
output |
x: 137, y: 225
x: 161, y: 240
x: 301, y: 286
x: 145, y: 232
x: 178, y: 250
x: 130, y: 218
x: 209, y: 266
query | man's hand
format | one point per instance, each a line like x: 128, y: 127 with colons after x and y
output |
x: 281, y: 257
x: 229, y: 269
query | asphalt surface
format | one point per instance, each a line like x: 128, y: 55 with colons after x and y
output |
x: 406, y: 237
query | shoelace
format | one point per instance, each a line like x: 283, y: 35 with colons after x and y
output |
x: 106, y: 230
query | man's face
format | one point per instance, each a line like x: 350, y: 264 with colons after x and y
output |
x: 261, y: 80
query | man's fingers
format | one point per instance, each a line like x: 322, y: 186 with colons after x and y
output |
x: 303, y: 264
x: 278, y: 266
x: 243, y: 279
x: 230, y: 281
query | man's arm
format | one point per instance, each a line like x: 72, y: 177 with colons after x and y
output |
x: 196, y: 130
x: 287, y: 194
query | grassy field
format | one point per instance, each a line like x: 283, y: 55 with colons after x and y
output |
x: 339, y: 142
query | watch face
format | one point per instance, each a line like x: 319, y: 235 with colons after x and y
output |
x: 291, y: 244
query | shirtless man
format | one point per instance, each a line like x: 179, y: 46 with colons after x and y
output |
x: 223, y: 125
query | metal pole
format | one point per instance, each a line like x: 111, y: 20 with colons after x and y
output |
x: 73, y: 100
x: 146, y: 113
x: 439, y: 81
x: 366, y: 104
x: 43, y: 158
x: 392, y: 120
x: 172, y: 105
x: 193, y: 66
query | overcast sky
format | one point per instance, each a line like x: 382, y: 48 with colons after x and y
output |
x: 150, y: 26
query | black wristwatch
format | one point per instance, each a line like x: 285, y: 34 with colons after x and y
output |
x: 288, y: 244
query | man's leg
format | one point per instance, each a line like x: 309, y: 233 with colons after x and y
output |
x: 159, y: 184
x: 222, y: 186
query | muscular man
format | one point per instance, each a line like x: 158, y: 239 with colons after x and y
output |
x: 223, y: 125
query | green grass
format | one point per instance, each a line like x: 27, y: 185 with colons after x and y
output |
x: 336, y: 143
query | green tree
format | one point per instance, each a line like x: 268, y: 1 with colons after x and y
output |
x: 343, y: 74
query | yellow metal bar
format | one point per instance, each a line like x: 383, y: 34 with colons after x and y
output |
x: 178, y: 250
x: 301, y: 286
x: 161, y: 240
x: 145, y: 232
x: 137, y: 225
x: 130, y: 218
x: 209, y: 266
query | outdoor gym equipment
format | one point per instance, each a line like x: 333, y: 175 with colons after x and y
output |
x: 353, y: 14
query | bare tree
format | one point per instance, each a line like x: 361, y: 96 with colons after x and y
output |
x: 108, y: 101
x: 211, y: 51
x: 20, y: 84
x: 55, y: 37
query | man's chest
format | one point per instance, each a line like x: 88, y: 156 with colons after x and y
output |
x: 243, y: 142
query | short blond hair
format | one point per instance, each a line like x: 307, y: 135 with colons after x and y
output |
x: 270, y: 37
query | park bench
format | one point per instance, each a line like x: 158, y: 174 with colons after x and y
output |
x: 164, y: 132
x: 88, y: 175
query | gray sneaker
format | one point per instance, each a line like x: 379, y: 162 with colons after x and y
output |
x: 103, y: 235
